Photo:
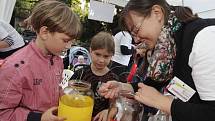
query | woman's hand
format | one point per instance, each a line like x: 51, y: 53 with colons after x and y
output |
x: 147, y: 95
x: 110, y: 89
x: 151, y: 97
x: 49, y: 115
x: 101, y: 116
x: 141, y: 52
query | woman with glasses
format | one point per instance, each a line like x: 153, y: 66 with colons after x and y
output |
x: 180, y: 49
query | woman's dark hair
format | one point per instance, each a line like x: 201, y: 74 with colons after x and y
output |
x: 184, y: 14
x: 144, y: 7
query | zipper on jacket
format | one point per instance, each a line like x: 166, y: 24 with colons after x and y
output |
x: 51, y: 60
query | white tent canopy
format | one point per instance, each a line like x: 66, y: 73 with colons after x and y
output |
x: 175, y: 2
x: 207, y: 14
x: 204, y: 8
x: 6, y: 11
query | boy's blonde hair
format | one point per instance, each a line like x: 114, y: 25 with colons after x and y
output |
x: 103, y: 40
x: 57, y: 16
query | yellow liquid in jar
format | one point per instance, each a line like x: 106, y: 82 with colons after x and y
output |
x: 76, y: 107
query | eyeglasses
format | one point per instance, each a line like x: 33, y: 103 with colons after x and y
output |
x: 135, y: 30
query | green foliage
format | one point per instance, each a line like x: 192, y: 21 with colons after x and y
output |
x: 23, y: 7
x: 76, y: 7
x: 90, y: 27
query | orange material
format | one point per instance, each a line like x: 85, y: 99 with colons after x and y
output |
x: 132, y: 72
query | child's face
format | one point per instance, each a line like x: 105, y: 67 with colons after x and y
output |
x: 100, y: 58
x: 56, y: 43
x: 81, y: 60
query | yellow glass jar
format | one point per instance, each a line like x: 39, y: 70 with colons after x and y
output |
x: 77, y: 102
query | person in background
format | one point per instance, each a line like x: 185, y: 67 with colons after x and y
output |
x: 10, y: 40
x: 80, y: 60
x: 123, y: 51
x: 27, y: 31
x: 30, y: 78
x: 154, y: 21
x: 26, y: 24
x: 101, y: 51
x: 80, y: 63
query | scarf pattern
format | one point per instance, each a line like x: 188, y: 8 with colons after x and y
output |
x: 161, y: 58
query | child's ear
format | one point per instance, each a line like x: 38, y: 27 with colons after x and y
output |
x: 43, y: 32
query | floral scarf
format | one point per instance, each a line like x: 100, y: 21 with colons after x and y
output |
x: 161, y: 58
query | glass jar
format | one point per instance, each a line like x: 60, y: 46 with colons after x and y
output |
x: 160, y: 116
x: 76, y: 104
x: 125, y: 108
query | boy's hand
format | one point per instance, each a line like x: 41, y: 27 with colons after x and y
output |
x: 49, y: 115
x: 101, y: 116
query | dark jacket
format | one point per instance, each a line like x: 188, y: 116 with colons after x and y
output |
x: 196, y: 109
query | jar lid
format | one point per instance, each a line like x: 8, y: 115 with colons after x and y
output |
x: 79, y: 85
